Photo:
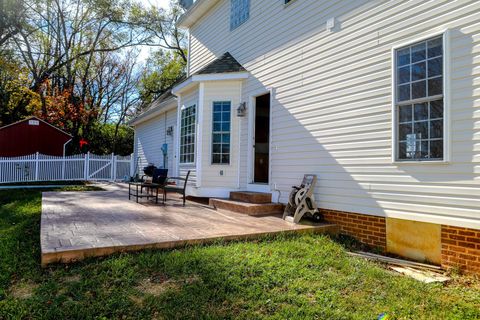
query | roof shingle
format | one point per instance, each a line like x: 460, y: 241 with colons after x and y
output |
x: 226, y: 63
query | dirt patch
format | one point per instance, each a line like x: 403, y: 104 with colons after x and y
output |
x: 137, y: 300
x: 158, y: 284
x: 23, y: 290
x: 71, y: 279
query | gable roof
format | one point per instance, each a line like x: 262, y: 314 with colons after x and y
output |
x: 225, y: 63
x: 35, y: 118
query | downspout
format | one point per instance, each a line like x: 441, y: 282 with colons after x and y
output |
x: 65, y: 145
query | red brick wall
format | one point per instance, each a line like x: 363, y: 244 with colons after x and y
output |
x: 370, y: 230
x: 461, y: 248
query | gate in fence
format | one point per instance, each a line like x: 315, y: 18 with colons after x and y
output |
x: 39, y: 167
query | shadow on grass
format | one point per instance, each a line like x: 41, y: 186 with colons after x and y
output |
x: 284, y: 276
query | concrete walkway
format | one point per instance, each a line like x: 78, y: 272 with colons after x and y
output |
x: 76, y: 225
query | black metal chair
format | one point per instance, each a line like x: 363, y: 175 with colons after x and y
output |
x: 176, y: 188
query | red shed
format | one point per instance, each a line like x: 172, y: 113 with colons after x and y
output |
x: 30, y: 136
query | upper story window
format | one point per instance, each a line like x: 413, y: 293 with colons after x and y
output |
x: 419, y: 97
x: 221, y: 132
x: 239, y: 12
x: 187, y: 134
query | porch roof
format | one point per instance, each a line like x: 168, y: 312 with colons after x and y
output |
x: 164, y: 102
x: 226, y: 67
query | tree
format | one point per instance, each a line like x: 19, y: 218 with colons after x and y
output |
x: 16, y: 99
x: 12, y: 17
x: 162, y: 71
x: 161, y: 27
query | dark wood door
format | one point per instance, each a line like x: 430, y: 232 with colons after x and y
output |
x: 262, y: 139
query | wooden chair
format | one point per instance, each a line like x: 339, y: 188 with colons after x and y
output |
x: 176, y: 188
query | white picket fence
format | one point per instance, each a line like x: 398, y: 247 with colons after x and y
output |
x: 39, y: 167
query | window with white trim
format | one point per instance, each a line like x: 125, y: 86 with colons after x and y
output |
x: 419, y: 100
x: 221, y: 132
x: 187, y: 134
x: 239, y: 12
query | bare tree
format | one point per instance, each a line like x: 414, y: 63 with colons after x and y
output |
x: 161, y: 26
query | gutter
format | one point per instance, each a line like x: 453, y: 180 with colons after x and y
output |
x: 196, y: 11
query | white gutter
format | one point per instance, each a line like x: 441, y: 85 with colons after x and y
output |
x: 196, y: 11
x: 163, y: 107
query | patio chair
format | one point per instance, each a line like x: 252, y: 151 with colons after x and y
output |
x: 176, y: 188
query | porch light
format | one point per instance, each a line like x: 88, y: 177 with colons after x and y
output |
x: 242, y: 109
x: 170, y: 131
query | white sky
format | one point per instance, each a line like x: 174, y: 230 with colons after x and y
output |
x: 144, y: 51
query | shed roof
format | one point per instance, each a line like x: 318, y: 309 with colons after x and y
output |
x: 34, y: 118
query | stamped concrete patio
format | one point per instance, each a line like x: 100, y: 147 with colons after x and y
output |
x: 76, y: 225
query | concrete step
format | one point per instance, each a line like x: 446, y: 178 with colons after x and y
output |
x: 251, y: 197
x: 252, y: 209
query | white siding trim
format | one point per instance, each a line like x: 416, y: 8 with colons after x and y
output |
x: 177, y: 136
x: 199, y: 133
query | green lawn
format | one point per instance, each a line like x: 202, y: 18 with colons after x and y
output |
x: 296, y: 277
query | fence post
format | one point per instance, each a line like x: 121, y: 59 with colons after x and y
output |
x: 115, y: 164
x: 112, y: 165
x: 86, y: 167
x: 132, y: 165
x: 63, y: 166
x: 36, y: 166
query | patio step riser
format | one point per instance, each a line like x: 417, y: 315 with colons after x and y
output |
x: 251, y: 197
x: 252, y: 209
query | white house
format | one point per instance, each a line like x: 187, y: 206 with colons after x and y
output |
x: 379, y: 99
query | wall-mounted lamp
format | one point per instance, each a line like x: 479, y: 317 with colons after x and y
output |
x: 170, y: 131
x: 242, y: 109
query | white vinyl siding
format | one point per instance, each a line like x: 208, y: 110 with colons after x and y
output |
x: 332, y: 101
x: 224, y: 176
x: 149, y: 138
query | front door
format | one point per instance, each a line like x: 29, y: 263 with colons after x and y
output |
x: 261, y: 139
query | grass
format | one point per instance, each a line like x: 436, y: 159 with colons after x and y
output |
x: 285, y: 277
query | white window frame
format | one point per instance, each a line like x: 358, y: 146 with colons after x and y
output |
x: 232, y: 26
x: 194, y: 105
x: 446, y: 99
x: 220, y: 132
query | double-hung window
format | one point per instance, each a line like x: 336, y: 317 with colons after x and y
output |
x: 239, y: 12
x: 187, y: 134
x: 419, y: 101
x: 221, y: 132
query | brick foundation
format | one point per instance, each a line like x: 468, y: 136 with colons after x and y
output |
x: 460, y: 246
x: 461, y: 249
x: 370, y: 230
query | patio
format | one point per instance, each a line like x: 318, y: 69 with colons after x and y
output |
x: 76, y: 225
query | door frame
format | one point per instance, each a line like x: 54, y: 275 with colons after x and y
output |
x: 251, y: 185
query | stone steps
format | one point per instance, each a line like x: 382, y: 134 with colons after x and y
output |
x: 251, y: 209
x: 251, y: 197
